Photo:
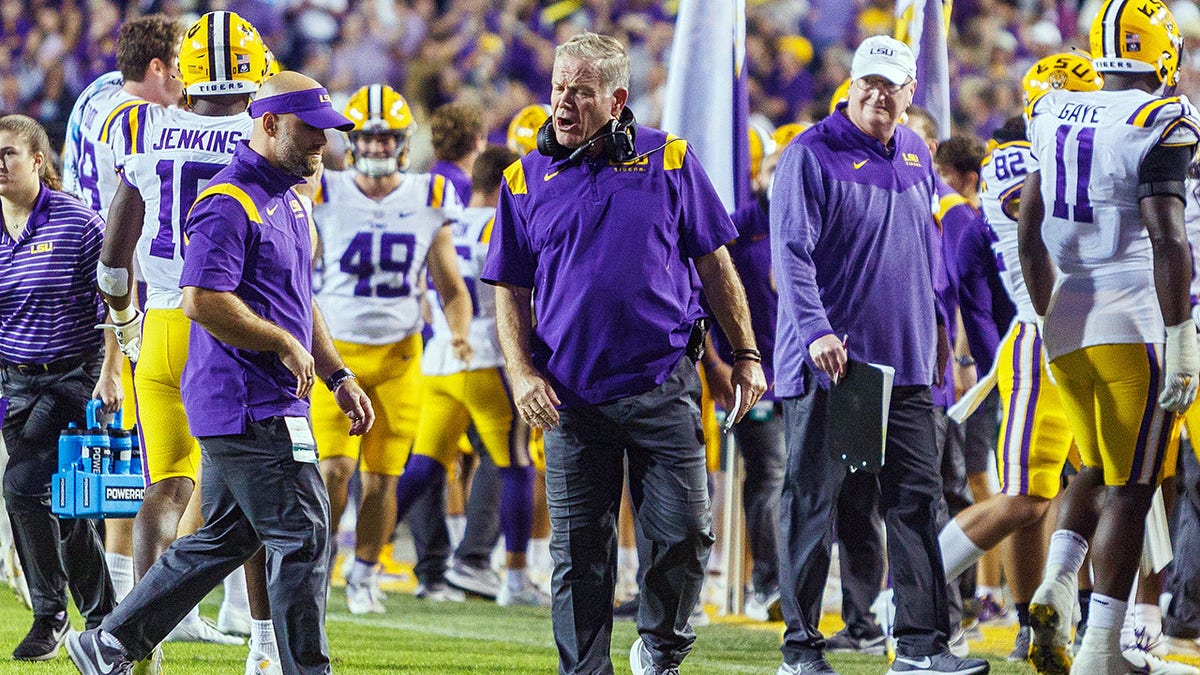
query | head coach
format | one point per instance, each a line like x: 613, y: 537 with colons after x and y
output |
x: 612, y: 229
x: 247, y: 281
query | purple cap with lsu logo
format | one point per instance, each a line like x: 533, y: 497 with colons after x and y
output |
x: 313, y: 106
x: 886, y: 57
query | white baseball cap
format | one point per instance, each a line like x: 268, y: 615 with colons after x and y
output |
x: 886, y: 57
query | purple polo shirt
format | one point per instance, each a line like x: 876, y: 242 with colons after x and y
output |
x: 460, y: 179
x: 258, y: 249
x: 607, y: 250
x: 853, y: 248
x: 49, y: 305
x: 751, y: 255
x: 985, y: 306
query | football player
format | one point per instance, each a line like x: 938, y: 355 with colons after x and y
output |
x: 1105, y: 259
x: 379, y: 228
x: 165, y: 157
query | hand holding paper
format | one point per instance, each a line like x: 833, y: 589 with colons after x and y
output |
x: 732, y: 415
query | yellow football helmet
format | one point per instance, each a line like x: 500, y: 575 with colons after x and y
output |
x: 379, y: 109
x: 784, y: 133
x: 761, y: 145
x: 273, y: 65
x: 840, y: 94
x: 1137, y: 37
x: 1070, y: 71
x: 523, y: 129
x: 222, y: 53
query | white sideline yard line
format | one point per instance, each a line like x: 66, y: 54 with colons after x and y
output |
x: 440, y: 630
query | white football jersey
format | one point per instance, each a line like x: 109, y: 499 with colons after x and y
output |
x: 471, y: 234
x: 1000, y: 179
x: 87, y: 159
x: 1090, y: 147
x: 373, y: 253
x: 1191, y: 218
x: 169, y: 155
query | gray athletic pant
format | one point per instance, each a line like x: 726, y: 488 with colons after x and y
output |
x: 1183, y: 583
x: 909, y: 487
x: 660, y: 434
x: 253, y: 494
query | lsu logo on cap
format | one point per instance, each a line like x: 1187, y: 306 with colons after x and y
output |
x: 883, y: 51
x: 324, y: 98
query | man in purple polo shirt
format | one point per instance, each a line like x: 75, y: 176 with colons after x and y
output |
x: 609, y: 230
x: 247, y: 282
x: 854, y: 252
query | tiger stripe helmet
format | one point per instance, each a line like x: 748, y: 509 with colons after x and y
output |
x: 1070, y: 71
x: 1137, y: 36
x: 761, y: 145
x: 379, y: 109
x: 523, y: 129
x: 786, y: 132
x: 222, y: 53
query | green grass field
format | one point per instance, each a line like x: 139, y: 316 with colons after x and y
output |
x: 420, y: 638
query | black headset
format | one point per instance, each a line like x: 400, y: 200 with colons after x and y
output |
x: 617, y: 138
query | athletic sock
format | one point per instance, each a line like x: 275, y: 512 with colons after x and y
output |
x: 262, y: 638
x: 235, y: 591
x: 1065, y: 555
x: 1022, y: 613
x: 1106, y: 612
x: 958, y: 551
x: 360, y: 571
x: 456, y: 526
x: 514, y: 579
x: 120, y: 570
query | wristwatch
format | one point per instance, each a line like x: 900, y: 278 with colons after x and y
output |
x: 337, y: 377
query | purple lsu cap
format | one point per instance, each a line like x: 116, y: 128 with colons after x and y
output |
x: 313, y: 106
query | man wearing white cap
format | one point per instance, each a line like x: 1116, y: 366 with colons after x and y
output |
x: 855, y: 250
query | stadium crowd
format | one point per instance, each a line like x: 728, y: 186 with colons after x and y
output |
x: 429, y: 93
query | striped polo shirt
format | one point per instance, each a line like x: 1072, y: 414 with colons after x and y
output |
x: 49, y: 305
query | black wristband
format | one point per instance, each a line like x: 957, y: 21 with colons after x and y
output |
x: 747, y: 355
x: 337, y: 377
x: 964, y: 360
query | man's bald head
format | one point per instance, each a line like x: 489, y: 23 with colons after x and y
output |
x: 286, y: 82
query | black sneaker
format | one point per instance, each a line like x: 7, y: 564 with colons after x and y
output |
x: 44, y: 638
x: 95, y: 652
x: 818, y: 666
x: 937, y: 664
x: 1020, y: 650
x: 844, y: 643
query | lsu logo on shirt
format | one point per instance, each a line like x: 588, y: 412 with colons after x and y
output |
x: 44, y: 247
x: 911, y: 159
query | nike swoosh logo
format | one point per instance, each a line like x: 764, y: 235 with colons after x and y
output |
x: 104, y: 666
x: 272, y: 209
x: 549, y: 176
x: 923, y: 663
x: 859, y: 165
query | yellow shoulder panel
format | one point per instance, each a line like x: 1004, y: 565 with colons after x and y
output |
x: 237, y: 193
x: 674, y: 153
x: 514, y: 175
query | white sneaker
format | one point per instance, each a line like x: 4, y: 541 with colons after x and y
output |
x: 361, y: 598
x: 478, y: 580
x: 763, y: 607
x: 439, y: 592
x: 233, y: 620
x: 201, y: 630
x: 1100, y: 654
x: 1146, y: 656
x: 151, y: 665
x: 958, y: 644
x: 258, y: 663
x: 528, y: 594
x: 1051, y: 613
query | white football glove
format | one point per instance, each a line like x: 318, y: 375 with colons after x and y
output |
x: 129, y: 335
x: 1182, y: 368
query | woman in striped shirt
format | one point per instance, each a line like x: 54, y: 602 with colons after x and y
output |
x: 52, y: 362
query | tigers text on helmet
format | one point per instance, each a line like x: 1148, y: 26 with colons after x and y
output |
x: 1137, y: 36
x: 1069, y: 71
x: 222, y: 53
x: 523, y: 129
x: 379, y: 109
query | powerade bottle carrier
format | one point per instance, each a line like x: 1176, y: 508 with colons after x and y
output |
x: 99, y: 475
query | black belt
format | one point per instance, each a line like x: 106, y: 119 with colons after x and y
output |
x: 49, y: 368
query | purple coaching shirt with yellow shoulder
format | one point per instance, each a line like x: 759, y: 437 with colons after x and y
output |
x: 247, y: 234
x: 607, y: 250
x: 854, y: 250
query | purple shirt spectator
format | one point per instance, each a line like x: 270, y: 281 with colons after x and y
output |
x: 460, y: 178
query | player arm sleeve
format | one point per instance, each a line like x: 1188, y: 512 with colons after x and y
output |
x: 1164, y: 171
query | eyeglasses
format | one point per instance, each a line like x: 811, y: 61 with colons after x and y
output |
x: 880, y: 85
